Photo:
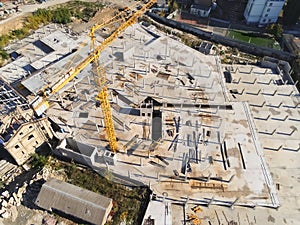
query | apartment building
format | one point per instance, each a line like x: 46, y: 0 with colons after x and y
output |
x: 263, y: 12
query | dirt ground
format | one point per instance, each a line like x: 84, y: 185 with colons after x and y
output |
x: 101, y: 16
x: 16, y: 21
x: 14, y: 24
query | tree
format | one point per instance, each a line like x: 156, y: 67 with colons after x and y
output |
x: 61, y: 15
x: 38, y: 161
x: 276, y: 30
x: 291, y: 12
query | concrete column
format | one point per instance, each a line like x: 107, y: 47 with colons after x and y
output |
x: 61, y: 100
x: 186, y: 202
x: 117, y: 99
x: 233, y: 203
x: 89, y: 80
x: 208, y: 178
x: 210, y: 201
x: 230, y: 179
x: 75, y: 88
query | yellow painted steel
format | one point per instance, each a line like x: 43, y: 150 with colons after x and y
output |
x: 100, y: 72
x: 105, y: 106
x: 96, y: 53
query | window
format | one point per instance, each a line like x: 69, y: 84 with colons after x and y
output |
x: 21, y: 133
x: 264, y: 20
x: 30, y: 126
x: 17, y: 146
x: 266, y: 15
x: 30, y: 137
x: 271, y: 3
x: 268, y: 10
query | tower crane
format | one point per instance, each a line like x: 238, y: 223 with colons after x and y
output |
x: 101, y: 80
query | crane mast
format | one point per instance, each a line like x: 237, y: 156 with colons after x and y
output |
x: 101, y: 80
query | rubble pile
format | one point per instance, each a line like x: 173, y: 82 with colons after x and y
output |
x: 9, y: 202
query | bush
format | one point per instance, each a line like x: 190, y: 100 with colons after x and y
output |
x: 61, y: 15
x: 3, y: 54
x: 38, y: 161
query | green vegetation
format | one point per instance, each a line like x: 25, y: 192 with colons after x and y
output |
x: 172, y: 5
x: 254, y: 39
x: 276, y: 30
x: 38, y: 161
x: 291, y: 12
x: 127, y: 202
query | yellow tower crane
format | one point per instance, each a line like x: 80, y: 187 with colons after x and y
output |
x: 100, y: 72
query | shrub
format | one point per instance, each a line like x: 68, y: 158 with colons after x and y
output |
x: 61, y: 15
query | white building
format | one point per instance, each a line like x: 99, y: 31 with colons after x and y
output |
x: 263, y: 12
x: 201, y: 8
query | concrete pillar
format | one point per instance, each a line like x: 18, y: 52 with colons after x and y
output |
x: 186, y: 202
x: 208, y: 178
x: 61, y: 100
x: 210, y: 201
x: 75, y: 88
x: 233, y: 203
x: 230, y: 179
x: 117, y: 99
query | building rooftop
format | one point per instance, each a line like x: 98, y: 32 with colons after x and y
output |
x: 73, y: 200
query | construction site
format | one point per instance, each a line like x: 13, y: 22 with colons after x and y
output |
x: 140, y: 104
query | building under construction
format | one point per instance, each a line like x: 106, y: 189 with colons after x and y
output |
x: 194, y: 130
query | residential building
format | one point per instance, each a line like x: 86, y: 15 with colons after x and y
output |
x: 79, y: 203
x: 21, y: 134
x: 201, y: 8
x: 263, y: 12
